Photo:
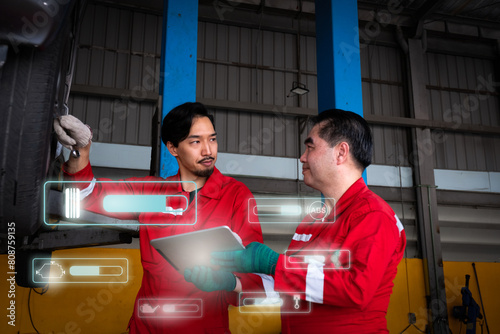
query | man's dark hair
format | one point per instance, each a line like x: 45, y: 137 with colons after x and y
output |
x: 337, y: 125
x: 177, y: 123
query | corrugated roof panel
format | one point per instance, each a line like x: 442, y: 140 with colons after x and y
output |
x: 122, y: 71
x: 109, y: 75
x: 484, y: 9
x: 96, y: 67
x: 461, y: 93
x: 81, y: 73
x: 124, y: 26
x: 310, y: 100
x: 221, y: 80
x: 150, y: 36
x: 475, y: 229
x: 112, y: 28
x: 256, y: 134
x: 145, y: 118
x: 466, y: 151
x: 137, y: 32
x: 99, y: 26
x: 378, y: 144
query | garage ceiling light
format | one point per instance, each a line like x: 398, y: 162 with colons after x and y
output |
x: 298, y: 89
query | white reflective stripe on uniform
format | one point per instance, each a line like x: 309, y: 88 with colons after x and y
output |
x: 315, y: 282
x: 87, y: 191
x: 302, y: 237
x: 268, y: 283
x: 398, y: 224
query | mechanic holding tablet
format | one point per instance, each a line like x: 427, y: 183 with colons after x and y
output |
x: 365, y: 232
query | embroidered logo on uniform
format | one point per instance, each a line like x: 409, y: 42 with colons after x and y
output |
x: 172, y: 211
x: 302, y: 237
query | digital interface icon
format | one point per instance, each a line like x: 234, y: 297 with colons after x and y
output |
x: 50, y: 270
x: 287, y: 302
x: 143, y: 203
x: 290, y: 210
x: 296, y: 302
x: 170, y: 308
x: 339, y: 259
x: 80, y: 270
x: 72, y: 202
x: 157, y: 197
x: 148, y: 309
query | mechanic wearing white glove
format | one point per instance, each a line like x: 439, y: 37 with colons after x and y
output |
x: 189, y: 134
x: 74, y: 135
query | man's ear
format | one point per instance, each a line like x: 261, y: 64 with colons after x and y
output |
x: 172, y: 149
x: 342, y: 152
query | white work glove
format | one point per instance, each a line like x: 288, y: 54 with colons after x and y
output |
x: 71, y: 132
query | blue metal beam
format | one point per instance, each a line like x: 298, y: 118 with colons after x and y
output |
x: 178, y: 64
x: 338, y: 56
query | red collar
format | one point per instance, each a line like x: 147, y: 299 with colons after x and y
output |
x: 350, y: 196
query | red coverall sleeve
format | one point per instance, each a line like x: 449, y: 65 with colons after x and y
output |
x: 93, y: 192
x: 374, y: 238
x: 248, y: 232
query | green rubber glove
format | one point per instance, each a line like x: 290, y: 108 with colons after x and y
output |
x: 256, y: 258
x: 207, y: 279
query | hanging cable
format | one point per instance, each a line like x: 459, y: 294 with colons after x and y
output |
x: 410, y: 325
x: 29, y: 311
x: 44, y: 290
x: 403, y: 217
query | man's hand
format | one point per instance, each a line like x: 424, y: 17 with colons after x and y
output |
x: 210, y: 280
x: 256, y: 258
x: 71, y: 132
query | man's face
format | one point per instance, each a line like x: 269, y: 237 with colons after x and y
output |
x: 197, y: 153
x: 318, y: 165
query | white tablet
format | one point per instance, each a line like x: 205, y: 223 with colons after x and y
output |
x: 194, y: 248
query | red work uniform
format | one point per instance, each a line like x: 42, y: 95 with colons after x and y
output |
x: 353, y: 300
x: 221, y: 201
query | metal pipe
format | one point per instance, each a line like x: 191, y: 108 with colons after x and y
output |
x: 480, y: 298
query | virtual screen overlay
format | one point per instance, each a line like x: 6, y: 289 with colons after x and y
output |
x: 339, y: 259
x: 250, y: 302
x: 80, y: 270
x: 291, y: 210
x: 170, y: 308
x: 156, y: 197
x: 284, y: 303
x: 66, y: 205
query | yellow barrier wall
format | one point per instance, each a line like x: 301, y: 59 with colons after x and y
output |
x: 489, y: 283
x: 106, y: 308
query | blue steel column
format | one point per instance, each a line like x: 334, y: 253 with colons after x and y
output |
x: 338, y: 56
x: 178, y: 64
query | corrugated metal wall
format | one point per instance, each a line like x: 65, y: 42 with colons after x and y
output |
x: 250, y: 133
x: 252, y: 65
x: 384, y: 94
x: 469, y: 233
x: 120, y: 50
x: 119, y: 54
x: 460, y: 92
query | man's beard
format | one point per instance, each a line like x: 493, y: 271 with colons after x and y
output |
x: 203, y: 172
